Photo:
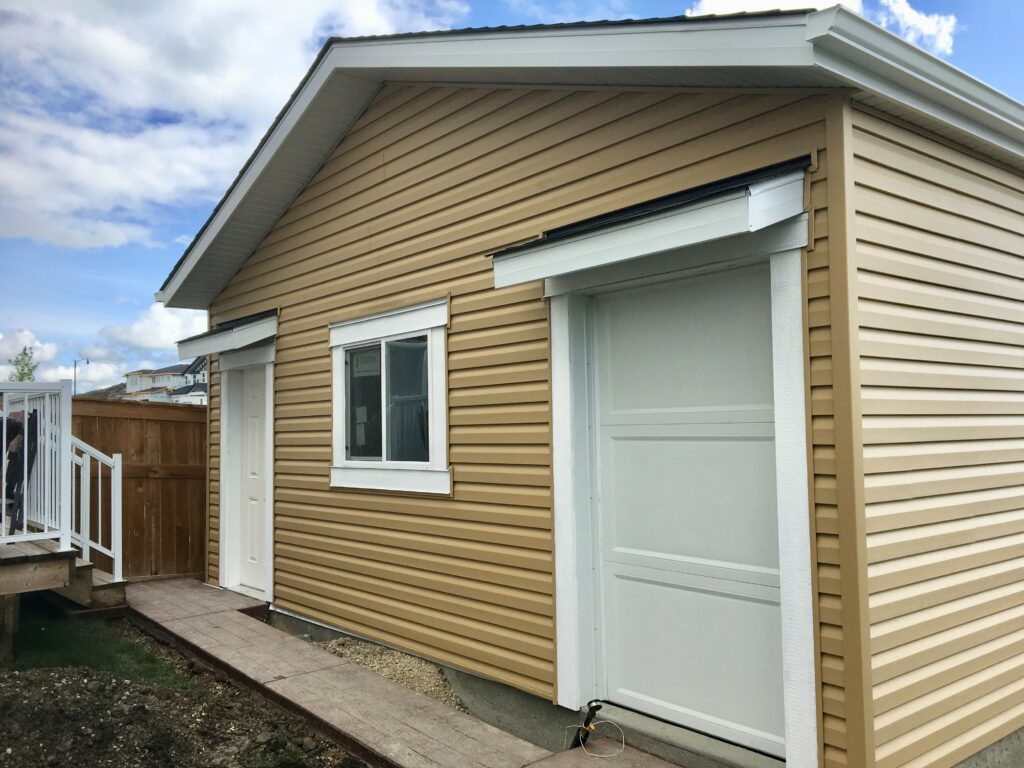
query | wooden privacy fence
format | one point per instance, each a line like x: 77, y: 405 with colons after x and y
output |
x: 163, y: 448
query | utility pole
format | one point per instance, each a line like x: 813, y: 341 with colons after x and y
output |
x: 74, y: 383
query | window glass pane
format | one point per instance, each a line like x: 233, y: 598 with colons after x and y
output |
x: 363, y: 402
x: 407, y: 400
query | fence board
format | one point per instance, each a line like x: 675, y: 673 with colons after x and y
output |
x: 164, y: 452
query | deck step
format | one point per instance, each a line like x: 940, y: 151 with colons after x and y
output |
x: 92, y: 588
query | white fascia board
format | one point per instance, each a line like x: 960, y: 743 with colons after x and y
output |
x: 725, y: 215
x: 742, y: 249
x: 870, y: 58
x: 228, y: 340
x: 774, y: 200
x: 764, y: 42
x: 363, y: 92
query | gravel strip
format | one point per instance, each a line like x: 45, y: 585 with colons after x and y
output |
x: 411, y: 671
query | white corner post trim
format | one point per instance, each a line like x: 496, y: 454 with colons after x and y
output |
x: 574, y: 609
x: 791, y: 473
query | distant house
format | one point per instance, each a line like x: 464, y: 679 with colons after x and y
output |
x: 194, y: 390
x: 179, y: 383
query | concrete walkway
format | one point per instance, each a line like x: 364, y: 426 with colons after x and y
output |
x: 377, y: 719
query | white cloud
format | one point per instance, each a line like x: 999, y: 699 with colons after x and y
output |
x: 931, y: 31
x: 92, y: 376
x: 722, y: 7
x: 158, y: 328
x: 14, y: 341
x: 146, y: 343
x: 112, y: 110
x: 544, y: 12
x: 100, y: 352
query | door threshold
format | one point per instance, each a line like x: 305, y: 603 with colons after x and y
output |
x: 681, y: 745
x: 256, y: 594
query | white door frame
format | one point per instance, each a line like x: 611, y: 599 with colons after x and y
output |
x: 231, y: 366
x: 577, y: 604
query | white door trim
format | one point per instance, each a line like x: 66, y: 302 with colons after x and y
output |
x: 231, y: 366
x: 572, y: 448
x: 792, y: 498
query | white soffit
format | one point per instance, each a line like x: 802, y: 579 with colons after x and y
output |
x: 747, y: 209
x: 229, y: 339
x: 826, y: 49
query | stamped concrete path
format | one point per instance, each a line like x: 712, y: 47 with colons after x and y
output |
x: 378, y: 719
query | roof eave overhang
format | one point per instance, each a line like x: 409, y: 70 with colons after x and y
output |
x: 866, y: 57
x: 833, y: 48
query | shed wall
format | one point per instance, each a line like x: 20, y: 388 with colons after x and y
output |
x: 940, y: 268
x: 428, y: 183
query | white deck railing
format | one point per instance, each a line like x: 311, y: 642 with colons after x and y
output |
x: 40, y: 465
x: 89, y: 533
x: 35, y: 448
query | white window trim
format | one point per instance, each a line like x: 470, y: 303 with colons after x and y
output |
x: 434, y: 476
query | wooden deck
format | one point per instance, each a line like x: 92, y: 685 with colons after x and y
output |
x: 27, y: 566
x: 32, y: 566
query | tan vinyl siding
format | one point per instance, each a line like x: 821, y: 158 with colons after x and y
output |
x: 429, y: 182
x: 940, y: 253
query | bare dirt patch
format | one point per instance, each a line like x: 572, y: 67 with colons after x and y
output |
x: 142, y: 704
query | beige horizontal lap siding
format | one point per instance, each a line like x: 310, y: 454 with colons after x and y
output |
x: 427, y: 185
x: 941, y: 312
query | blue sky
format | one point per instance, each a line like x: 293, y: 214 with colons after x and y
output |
x: 122, y: 123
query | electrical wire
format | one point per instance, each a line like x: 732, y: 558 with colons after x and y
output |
x: 622, y: 739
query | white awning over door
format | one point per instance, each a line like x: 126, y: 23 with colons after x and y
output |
x: 750, y: 208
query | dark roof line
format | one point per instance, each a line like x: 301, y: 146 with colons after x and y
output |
x: 228, y: 325
x: 198, y: 365
x: 660, y: 204
x: 190, y: 389
x: 332, y: 41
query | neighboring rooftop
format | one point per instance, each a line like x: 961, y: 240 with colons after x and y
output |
x: 190, y: 389
x: 114, y: 392
x: 197, y: 366
x: 176, y: 368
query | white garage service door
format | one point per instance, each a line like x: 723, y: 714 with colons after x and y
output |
x: 685, y: 482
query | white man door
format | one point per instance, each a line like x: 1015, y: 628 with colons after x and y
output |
x: 685, y: 481
x: 253, y: 445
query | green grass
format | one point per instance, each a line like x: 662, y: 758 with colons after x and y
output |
x: 45, y: 639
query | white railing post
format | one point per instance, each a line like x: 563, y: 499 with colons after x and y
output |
x: 85, y: 503
x: 115, y: 517
x: 65, y: 467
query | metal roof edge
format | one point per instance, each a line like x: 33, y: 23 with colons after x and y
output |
x: 842, y: 44
x: 874, y: 59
